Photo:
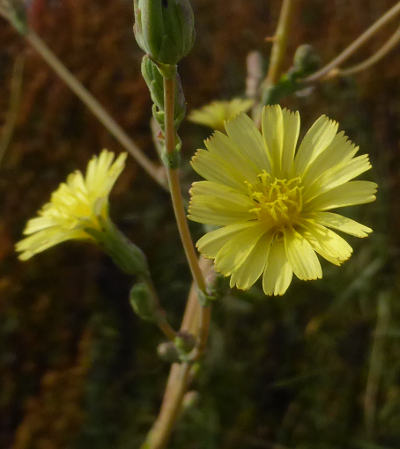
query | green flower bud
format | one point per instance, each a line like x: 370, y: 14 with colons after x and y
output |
x: 164, y: 29
x: 184, y: 342
x: 306, y: 60
x: 190, y: 401
x: 154, y: 81
x: 167, y: 351
x: 142, y: 302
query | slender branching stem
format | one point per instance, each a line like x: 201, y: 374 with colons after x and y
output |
x: 176, y: 194
x: 161, y: 318
x: 160, y: 433
x: 157, y: 173
x: 376, y: 57
x: 179, y: 377
x: 327, y: 70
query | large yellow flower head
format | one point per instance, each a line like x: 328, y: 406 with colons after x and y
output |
x: 216, y: 113
x: 273, y: 203
x: 79, y: 205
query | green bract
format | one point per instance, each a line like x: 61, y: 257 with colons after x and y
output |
x: 164, y: 29
x: 154, y: 81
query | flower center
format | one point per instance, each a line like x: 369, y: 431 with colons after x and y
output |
x: 276, y: 201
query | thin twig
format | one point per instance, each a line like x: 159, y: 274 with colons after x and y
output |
x: 157, y: 173
x: 376, y: 57
x: 12, y: 115
x: 161, y: 318
x: 355, y: 45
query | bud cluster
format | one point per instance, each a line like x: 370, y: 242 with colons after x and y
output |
x: 164, y: 29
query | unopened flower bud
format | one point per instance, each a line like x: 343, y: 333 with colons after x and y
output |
x: 185, y: 342
x: 164, y: 29
x: 168, y: 352
x: 142, y: 302
x: 190, y: 400
x: 306, y: 60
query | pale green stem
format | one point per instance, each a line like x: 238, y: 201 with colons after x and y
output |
x: 280, y: 43
x: 157, y: 173
x: 161, y: 319
x: 176, y: 194
x: 175, y: 390
x: 355, y: 45
x: 178, y: 379
x: 12, y: 114
x: 278, y: 51
x: 376, y: 57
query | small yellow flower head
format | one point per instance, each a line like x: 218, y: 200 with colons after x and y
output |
x: 78, y: 205
x: 272, y: 203
x: 216, y: 113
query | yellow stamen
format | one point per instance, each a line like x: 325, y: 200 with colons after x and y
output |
x: 276, y: 200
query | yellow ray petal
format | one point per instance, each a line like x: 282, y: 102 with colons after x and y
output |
x: 301, y: 256
x: 341, y: 223
x: 317, y: 139
x: 237, y: 249
x: 337, y: 176
x: 349, y: 194
x: 213, y: 241
x: 249, y: 271
x: 247, y: 138
x: 326, y: 242
x: 217, y: 204
x: 278, y: 272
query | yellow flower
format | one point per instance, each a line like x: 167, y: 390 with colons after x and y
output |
x: 79, y: 205
x: 273, y: 203
x: 216, y: 113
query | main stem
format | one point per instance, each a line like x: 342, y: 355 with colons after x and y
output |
x: 175, y: 190
x: 196, y: 318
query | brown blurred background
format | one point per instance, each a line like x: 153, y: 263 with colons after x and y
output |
x: 78, y: 370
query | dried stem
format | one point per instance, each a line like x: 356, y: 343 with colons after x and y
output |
x: 157, y: 173
x: 325, y: 72
x: 376, y: 57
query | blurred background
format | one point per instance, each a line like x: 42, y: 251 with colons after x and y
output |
x: 318, y: 368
